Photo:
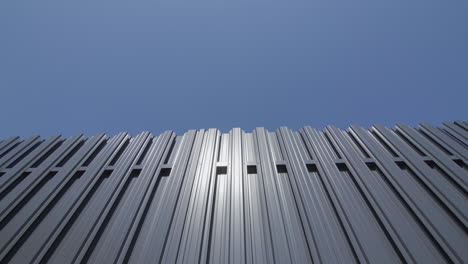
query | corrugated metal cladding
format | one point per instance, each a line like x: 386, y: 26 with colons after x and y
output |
x: 333, y: 196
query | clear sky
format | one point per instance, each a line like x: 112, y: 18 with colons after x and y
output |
x: 90, y: 66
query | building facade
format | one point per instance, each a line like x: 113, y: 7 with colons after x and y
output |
x: 378, y: 195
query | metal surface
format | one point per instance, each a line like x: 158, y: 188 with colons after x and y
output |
x: 334, y: 196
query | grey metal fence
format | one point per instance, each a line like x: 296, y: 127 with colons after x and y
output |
x: 332, y: 196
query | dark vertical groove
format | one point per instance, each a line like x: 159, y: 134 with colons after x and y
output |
x: 447, y: 177
x: 9, y: 149
x: 39, y: 219
x: 171, y: 149
x: 107, y: 218
x: 337, y: 216
x: 27, y: 197
x: 31, y: 149
x: 357, y: 144
x: 74, y: 217
x: 374, y: 167
x: 145, y: 151
x: 344, y: 168
x: 47, y: 154
x: 128, y: 254
x: 446, y: 151
x: 403, y: 166
x: 71, y: 153
x: 212, y: 213
x: 384, y: 144
x: 11, y: 186
x: 119, y: 153
x: 451, y: 136
x: 332, y: 145
x: 95, y: 153
x: 411, y: 144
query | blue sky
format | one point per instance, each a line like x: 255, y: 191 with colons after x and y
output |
x: 69, y: 67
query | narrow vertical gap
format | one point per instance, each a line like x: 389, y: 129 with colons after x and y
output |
x: 437, y: 144
x: 411, y: 144
x: 332, y: 145
x: 94, y: 154
x: 145, y: 151
x: 327, y: 194
x: 133, y: 175
x: 404, y: 167
x: 70, y: 154
x: 302, y: 147
x: 28, y: 197
x: 299, y: 203
x: 42, y: 215
x: 357, y: 144
x: 345, y: 170
x: 384, y: 144
x: 12, y: 185
x: 140, y: 223
x: 444, y: 174
x: 169, y: 153
x: 209, y: 211
x: 9, y: 145
x: 119, y: 153
x: 460, y: 126
x: 9, y: 149
x: 305, y: 141
x: 378, y: 172
x: 27, y: 152
x: 220, y: 170
x: 153, y: 191
x: 50, y: 251
x: 449, y: 135
x: 47, y: 154
x: 218, y: 155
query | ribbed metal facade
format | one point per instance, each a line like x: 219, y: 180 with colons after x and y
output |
x: 333, y: 196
